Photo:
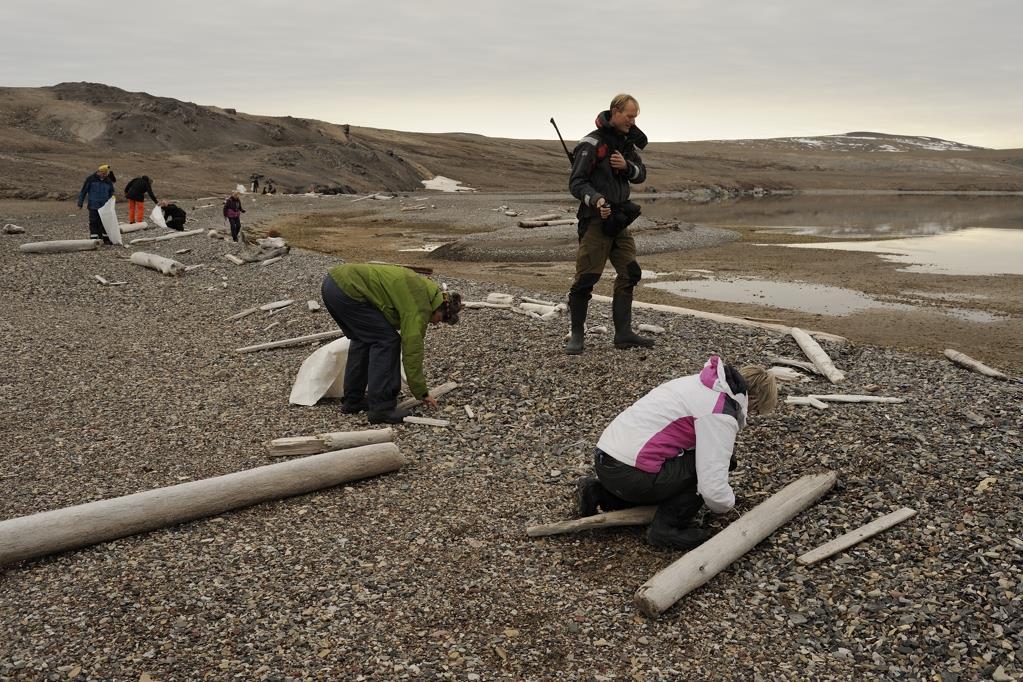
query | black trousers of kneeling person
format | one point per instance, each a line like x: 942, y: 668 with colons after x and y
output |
x: 373, y: 371
x: 672, y: 489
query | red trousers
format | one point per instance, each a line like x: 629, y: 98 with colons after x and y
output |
x: 135, y: 212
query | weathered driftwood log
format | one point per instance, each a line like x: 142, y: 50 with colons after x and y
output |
x: 271, y: 261
x: 539, y: 309
x: 495, y: 297
x: 436, y: 392
x: 60, y: 246
x: 546, y: 217
x: 244, y: 313
x: 234, y: 259
x: 806, y: 400
x: 786, y: 374
x: 546, y: 223
x: 551, y: 304
x: 426, y: 421
x: 165, y: 266
x: 851, y: 398
x: 325, y: 442
x: 966, y: 361
x: 60, y: 530
x: 801, y: 364
x: 297, y: 341
x: 817, y: 356
x: 134, y: 227
x: 698, y: 566
x: 277, y: 304
x: 726, y: 319
x: 636, y: 516
x: 11, y: 228
x: 484, y: 304
x: 166, y: 237
x: 652, y: 328
x: 851, y: 538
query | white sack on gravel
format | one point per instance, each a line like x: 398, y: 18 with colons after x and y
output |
x: 157, y: 216
x: 322, y: 374
x: 109, y: 217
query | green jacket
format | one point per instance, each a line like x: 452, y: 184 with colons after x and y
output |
x: 406, y: 299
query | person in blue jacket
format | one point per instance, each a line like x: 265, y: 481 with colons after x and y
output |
x: 98, y: 188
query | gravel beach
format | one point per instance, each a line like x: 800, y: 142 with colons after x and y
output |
x: 427, y: 573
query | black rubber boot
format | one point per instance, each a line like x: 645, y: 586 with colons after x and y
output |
x: 391, y: 416
x: 354, y: 407
x: 621, y: 313
x: 587, y: 496
x: 577, y: 309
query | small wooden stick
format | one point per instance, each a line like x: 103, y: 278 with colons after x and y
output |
x: 234, y: 259
x: 851, y: 538
x: 297, y: 341
x: 435, y: 392
x: 426, y: 421
x: 277, y: 304
x: 469, y: 413
x: 102, y: 280
x: 166, y: 237
x: 849, y: 398
x: 636, y: 516
x: 244, y: 313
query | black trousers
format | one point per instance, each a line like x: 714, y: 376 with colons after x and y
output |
x: 672, y: 489
x: 236, y: 227
x: 96, y: 229
x: 176, y: 224
x: 373, y: 372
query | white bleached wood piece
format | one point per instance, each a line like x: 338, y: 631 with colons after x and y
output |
x: 271, y: 261
x: 546, y: 223
x: 312, y: 305
x: 234, y: 259
x: 699, y: 565
x: 166, y: 237
x: 483, y: 304
x: 102, y: 280
x: 817, y: 356
x: 29, y: 537
x: 244, y: 313
x: 277, y: 304
x: 60, y: 246
x: 546, y: 217
x: 851, y: 538
x: 271, y: 325
x: 414, y: 208
x: 806, y: 400
x: 496, y: 297
x: 134, y: 227
x: 165, y: 266
x: 801, y: 364
x: 551, y: 315
x: 652, y: 328
x: 325, y: 442
x: 537, y: 301
x: 435, y: 392
x: 726, y: 319
x: 538, y: 308
x: 286, y: 343
x: 426, y: 421
x: 197, y: 266
x: 966, y: 361
x: 11, y: 228
x: 180, y: 251
x: 636, y: 516
x: 850, y: 398
x: 786, y: 374
x: 469, y: 413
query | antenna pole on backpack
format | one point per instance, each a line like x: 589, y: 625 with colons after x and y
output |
x: 571, y: 157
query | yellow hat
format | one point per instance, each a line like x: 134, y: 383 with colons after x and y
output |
x: 105, y: 167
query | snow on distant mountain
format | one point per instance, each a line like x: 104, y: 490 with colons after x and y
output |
x: 874, y: 142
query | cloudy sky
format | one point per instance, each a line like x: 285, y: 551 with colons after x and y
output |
x: 701, y: 69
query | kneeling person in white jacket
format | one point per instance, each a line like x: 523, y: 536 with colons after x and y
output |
x: 673, y: 448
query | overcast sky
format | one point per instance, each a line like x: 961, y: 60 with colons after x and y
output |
x: 701, y: 69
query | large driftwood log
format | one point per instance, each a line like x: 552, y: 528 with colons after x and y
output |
x: 698, y: 566
x: 435, y: 392
x: 546, y: 223
x: 165, y: 266
x: 60, y: 246
x: 60, y: 530
x: 817, y: 355
x: 966, y: 361
x: 726, y: 319
x: 325, y: 442
x: 851, y: 538
x: 134, y: 227
x: 636, y: 516
x: 166, y: 237
x: 297, y: 341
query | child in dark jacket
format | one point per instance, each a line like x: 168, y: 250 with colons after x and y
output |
x: 233, y: 212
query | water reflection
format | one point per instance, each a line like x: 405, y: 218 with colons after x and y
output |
x: 974, y: 251
x: 848, y: 216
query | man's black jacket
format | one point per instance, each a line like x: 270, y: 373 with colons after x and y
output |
x: 592, y: 174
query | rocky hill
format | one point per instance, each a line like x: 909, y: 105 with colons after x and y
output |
x: 53, y: 136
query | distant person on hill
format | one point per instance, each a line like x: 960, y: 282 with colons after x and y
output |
x: 173, y: 215
x: 255, y: 182
x: 271, y: 188
x: 605, y: 163
x: 372, y: 304
x: 674, y: 448
x: 233, y: 212
x: 136, y: 191
x: 98, y: 188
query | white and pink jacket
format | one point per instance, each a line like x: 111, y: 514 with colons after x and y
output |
x: 699, y: 411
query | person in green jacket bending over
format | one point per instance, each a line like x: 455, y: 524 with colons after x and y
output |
x: 372, y: 304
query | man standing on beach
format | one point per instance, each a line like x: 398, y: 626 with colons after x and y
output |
x: 97, y: 189
x: 604, y: 164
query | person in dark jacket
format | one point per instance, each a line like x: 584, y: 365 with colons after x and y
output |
x: 173, y: 215
x: 233, y: 212
x: 372, y: 303
x: 135, y: 191
x: 605, y: 163
x: 98, y: 188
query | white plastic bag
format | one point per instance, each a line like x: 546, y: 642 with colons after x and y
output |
x: 109, y: 218
x: 322, y: 374
x: 157, y: 216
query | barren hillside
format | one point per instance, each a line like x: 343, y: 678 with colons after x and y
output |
x: 52, y: 137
